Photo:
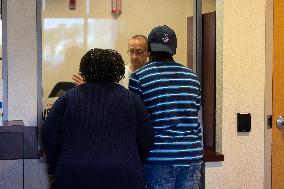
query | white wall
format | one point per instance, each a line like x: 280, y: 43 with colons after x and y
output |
x: 21, y: 68
x: 243, y: 80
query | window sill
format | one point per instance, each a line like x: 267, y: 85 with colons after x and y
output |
x: 211, y: 156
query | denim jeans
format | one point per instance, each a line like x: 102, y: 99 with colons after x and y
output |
x: 172, y: 177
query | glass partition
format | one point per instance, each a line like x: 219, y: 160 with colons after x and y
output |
x: 68, y: 32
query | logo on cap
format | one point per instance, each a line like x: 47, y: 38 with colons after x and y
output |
x: 166, y: 38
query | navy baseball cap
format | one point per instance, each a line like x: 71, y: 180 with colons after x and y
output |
x: 163, y: 39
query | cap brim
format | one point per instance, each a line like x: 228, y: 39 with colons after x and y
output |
x: 155, y: 47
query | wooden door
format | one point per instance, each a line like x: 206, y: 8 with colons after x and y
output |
x: 278, y: 96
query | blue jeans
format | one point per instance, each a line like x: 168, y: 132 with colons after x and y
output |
x: 172, y: 177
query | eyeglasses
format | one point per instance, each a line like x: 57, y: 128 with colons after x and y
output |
x: 131, y: 52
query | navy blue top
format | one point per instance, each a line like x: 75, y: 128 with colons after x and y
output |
x: 96, y: 136
x: 172, y: 94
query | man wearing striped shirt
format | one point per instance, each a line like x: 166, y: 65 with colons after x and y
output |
x: 171, y: 93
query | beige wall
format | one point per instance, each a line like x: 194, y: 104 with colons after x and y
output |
x: 208, y: 6
x: 103, y: 31
x: 243, y: 81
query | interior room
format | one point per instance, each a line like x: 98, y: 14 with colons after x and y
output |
x: 228, y: 44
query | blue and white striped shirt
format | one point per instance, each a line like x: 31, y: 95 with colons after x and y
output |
x: 172, y: 94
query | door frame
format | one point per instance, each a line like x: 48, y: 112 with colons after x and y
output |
x: 268, y: 92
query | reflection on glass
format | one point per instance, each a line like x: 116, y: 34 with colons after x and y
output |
x: 101, y: 33
x: 65, y: 40
x: 59, y: 35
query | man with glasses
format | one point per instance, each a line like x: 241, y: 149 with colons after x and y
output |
x: 138, y: 53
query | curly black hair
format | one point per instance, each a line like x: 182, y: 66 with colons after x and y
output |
x: 102, y: 65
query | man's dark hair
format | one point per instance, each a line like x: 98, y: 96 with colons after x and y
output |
x: 160, y: 56
x: 102, y: 65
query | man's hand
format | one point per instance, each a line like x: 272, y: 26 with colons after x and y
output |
x: 78, y: 80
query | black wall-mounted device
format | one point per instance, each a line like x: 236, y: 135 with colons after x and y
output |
x: 243, y: 122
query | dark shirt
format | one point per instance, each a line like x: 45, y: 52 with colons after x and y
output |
x: 96, y: 136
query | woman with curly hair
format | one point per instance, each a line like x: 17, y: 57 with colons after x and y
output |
x: 98, y: 134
